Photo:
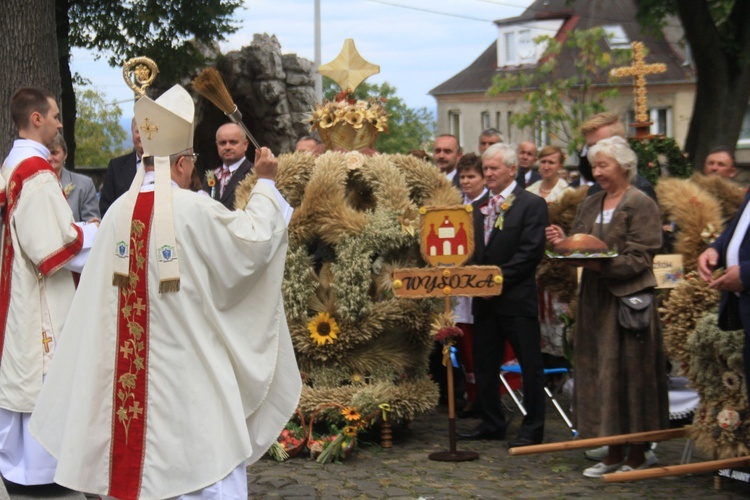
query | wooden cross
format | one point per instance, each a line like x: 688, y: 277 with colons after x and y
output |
x: 45, y: 341
x: 149, y: 128
x: 638, y: 71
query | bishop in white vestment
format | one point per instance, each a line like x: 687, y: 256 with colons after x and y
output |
x: 161, y: 390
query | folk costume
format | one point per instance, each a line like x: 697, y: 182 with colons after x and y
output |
x: 172, y: 381
x: 39, y: 238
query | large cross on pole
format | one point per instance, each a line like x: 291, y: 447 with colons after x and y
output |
x: 638, y: 70
x: 446, y: 243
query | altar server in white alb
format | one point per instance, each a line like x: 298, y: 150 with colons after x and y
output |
x: 41, y: 245
x: 177, y: 368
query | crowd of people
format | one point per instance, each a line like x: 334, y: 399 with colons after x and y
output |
x: 620, y: 367
x: 131, y: 294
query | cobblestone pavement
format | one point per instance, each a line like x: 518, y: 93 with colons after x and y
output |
x: 404, y: 471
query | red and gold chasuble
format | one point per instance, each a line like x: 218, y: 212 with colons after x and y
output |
x: 131, y: 365
x: 25, y: 171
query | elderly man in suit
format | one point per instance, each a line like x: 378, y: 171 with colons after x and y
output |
x: 121, y: 172
x: 509, y: 224
x: 79, y: 189
x: 232, y: 145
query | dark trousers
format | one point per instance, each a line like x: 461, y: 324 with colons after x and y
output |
x: 490, y: 334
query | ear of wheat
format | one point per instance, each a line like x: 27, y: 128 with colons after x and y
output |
x: 210, y: 85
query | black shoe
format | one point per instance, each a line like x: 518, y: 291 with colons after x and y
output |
x: 477, y: 435
x: 523, y: 441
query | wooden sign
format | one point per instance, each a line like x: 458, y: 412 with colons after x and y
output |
x: 447, y: 235
x: 668, y: 270
x: 468, y: 281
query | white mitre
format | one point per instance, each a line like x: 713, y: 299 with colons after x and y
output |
x: 166, y: 128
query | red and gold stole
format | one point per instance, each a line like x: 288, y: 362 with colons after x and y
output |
x: 131, y: 365
x: 25, y: 171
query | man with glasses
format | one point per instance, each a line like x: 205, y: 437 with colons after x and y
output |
x: 176, y: 368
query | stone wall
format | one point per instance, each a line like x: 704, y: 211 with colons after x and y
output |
x: 274, y: 93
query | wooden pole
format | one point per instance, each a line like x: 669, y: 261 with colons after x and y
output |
x: 451, y: 391
x: 638, y: 437
x: 677, y: 470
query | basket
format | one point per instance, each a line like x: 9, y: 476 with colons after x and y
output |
x: 344, y: 136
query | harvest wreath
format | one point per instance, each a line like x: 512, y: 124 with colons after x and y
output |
x: 356, y: 344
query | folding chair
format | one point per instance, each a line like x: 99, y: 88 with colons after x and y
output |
x: 514, y: 368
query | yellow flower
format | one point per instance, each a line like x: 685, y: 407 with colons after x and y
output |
x: 350, y: 430
x: 326, y: 121
x: 351, y: 413
x: 354, y: 118
x: 323, y: 329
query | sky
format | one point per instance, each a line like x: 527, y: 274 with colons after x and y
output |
x: 418, y: 44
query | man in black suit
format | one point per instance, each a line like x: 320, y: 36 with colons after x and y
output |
x: 445, y: 154
x: 121, y: 172
x: 731, y: 250
x: 509, y: 225
x: 232, y: 145
x: 526, y: 154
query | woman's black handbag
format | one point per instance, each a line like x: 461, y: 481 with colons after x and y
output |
x: 634, y: 312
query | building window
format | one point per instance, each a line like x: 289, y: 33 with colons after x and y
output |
x: 510, y: 127
x: 541, y: 133
x: 454, y: 123
x: 510, y: 47
x: 660, y: 118
x: 745, y: 131
x: 485, y: 120
x: 616, y: 37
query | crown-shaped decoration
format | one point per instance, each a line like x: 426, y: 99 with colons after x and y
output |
x: 346, y: 122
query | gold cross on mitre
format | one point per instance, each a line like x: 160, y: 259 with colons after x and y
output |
x: 45, y: 341
x: 638, y: 71
x: 349, y: 69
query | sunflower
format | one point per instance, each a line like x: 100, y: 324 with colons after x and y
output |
x: 350, y: 430
x: 323, y: 329
x: 351, y: 413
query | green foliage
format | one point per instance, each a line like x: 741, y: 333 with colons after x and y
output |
x: 657, y: 152
x: 654, y: 14
x: 170, y: 32
x: 409, y: 128
x: 563, y: 104
x: 99, y: 135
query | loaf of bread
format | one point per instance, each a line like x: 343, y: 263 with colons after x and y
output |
x: 580, y: 244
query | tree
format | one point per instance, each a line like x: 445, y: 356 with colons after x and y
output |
x: 718, y: 32
x: 174, y: 33
x: 98, y: 130
x: 29, y: 49
x: 408, y: 128
x: 562, y: 104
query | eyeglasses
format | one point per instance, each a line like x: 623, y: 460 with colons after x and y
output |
x: 193, y: 157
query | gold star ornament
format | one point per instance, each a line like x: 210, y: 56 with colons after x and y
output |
x: 349, y: 69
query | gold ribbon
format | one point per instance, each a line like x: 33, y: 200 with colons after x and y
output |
x: 385, y: 407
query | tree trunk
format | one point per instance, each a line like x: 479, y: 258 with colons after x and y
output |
x: 28, y: 46
x: 68, y: 96
x: 723, y: 87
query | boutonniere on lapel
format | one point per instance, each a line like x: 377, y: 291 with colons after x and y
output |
x: 502, y: 210
x: 69, y: 189
x: 211, y: 181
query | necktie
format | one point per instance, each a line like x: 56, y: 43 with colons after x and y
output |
x: 490, y: 214
x: 223, y: 174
